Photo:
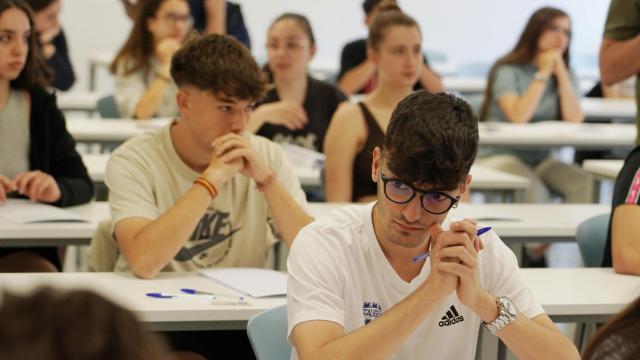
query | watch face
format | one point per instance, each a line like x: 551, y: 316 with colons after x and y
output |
x: 508, y: 306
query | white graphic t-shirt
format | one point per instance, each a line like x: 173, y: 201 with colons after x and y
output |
x: 338, y: 273
x: 146, y: 177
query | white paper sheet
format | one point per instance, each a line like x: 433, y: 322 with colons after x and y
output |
x: 22, y: 211
x: 250, y: 281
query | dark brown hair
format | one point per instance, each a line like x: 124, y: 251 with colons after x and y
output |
x: 525, y: 50
x: 35, y: 72
x: 384, y: 20
x: 619, y: 338
x: 369, y: 5
x: 432, y: 139
x: 53, y: 324
x: 139, y: 47
x: 220, y: 64
x: 38, y: 5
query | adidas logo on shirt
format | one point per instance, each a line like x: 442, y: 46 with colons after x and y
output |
x: 451, y: 317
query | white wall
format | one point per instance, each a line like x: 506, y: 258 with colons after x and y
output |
x: 467, y: 31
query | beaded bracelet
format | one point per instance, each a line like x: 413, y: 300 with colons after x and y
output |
x: 211, y: 189
x: 261, y: 186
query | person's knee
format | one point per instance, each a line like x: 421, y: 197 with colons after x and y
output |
x: 25, y: 261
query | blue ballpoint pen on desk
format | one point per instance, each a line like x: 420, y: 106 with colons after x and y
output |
x: 426, y: 254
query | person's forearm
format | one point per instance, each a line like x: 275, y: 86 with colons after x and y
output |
x: 430, y: 81
x: 570, y: 108
x: 381, y: 338
x: 288, y: 215
x: 619, y: 59
x: 527, y: 104
x: 356, y: 78
x: 151, y: 99
x: 158, y: 242
x: 625, y: 239
x: 216, y: 17
x: 257, y: 119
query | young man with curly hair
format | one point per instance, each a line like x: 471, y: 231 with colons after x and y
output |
x: 395, y: 278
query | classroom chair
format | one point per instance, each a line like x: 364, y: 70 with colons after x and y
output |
x: 268, y: 334
x: 107, y: 107
x: 592, y: 238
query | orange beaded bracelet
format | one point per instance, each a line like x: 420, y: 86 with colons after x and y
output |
x: 211, y: 189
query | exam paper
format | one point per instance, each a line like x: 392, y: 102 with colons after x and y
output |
x: 21, y: 211
x: 250, y: 281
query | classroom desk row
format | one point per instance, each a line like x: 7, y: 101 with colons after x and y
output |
x: 515, y: 223
x: 507, y: 135
x: 567, y: 295
x: 485, y: 179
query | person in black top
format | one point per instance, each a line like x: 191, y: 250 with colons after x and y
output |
x: 297, y: 108
x: 357, y: 72
x: 42, y: 164
x: 53, y: 43
x: 623, y: 241
x: 219, y: 17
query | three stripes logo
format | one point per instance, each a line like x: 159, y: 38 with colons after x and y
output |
x: 451, y: 317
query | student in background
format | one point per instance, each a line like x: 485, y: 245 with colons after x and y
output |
x: 38, y: 159
x: 623, y: 241
x: 533, y: 83
x: 360, y: 285
x: 77, y: 324
x: 619, y: 338
x: 395, y: 49
x: 53, y: 43
x: 297, y: 108
x: 144, y: 87
x: 357, y: 70
x: 202, y: 192
x: 620, y: 49
x: 219, y: 17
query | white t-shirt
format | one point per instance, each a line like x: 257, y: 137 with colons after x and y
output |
x: 338, y: 273
x: 146, y: 177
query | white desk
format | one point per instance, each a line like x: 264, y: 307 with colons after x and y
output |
x: 78, y: 101
x: 477, y: 85
x: 557, y: 134
x: 484, y: 178
x: 180, y: 313
x: 599, y: 108
x: 603, y: 169
x: 111, y: 131
x: 55, y: 233
x: 585, y: 294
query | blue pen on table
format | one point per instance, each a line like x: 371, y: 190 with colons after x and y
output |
x: 200, y: 292
x: 425, y: 255
x: 160, y: 295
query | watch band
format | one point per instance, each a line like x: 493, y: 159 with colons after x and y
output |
x: 504, y: 317
x: 538, y: 76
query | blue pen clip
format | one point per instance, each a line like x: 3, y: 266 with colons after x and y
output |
x: 425, y: 255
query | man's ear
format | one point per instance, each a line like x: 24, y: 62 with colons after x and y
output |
x: 376, y: 163
x: 465, y: 188
x: 184, y: 101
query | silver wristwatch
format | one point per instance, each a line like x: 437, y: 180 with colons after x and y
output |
x: 508, y: 313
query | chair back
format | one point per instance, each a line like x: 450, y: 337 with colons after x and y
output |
x: 268, y: 334
x: 592, y: 239
x: 107, y: 107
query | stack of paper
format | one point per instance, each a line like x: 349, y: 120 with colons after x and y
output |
x: 22, y: 211
x: 250, y: 281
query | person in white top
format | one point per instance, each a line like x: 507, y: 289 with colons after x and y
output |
x: 358, y: 286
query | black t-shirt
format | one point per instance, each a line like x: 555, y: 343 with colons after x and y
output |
x: 354, y: 54
x: 626, y: 191
x: 320, y: 102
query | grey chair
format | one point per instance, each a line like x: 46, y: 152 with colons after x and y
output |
x: 267, y: 333
x: 592, y: 238
x: 107, y: 107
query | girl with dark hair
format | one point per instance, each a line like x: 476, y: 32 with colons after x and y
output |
x: 143, y: 87
x: 533, y: 83
x: 395, y: 47
x: 53, y: 43
x: 618, y: 339
x: 297, y: 108
x: 38, y: 159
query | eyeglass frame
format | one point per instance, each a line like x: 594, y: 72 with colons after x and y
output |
x: 454, y: 199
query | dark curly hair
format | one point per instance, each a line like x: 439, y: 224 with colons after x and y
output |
x: 432, y: 139
x: 79, y: 324
x: 220, y: 64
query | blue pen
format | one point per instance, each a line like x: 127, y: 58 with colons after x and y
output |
x: 426, y: 254
x: 200, y: 292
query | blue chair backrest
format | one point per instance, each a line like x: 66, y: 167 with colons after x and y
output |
x: 592, y: 239
x: 107, y: 107
x: 268, y: 334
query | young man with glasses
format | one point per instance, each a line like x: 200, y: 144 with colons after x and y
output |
x: 355, y: 290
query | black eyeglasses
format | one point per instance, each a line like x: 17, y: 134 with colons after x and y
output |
x: 434, y: 202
